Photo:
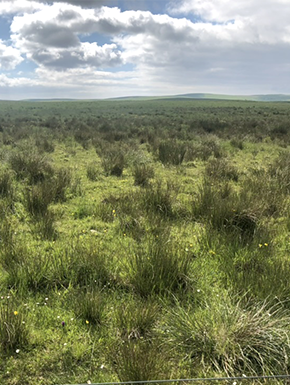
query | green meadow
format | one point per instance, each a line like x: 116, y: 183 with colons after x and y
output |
x: 143, y: 239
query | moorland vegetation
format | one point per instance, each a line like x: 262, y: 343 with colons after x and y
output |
x: 143, y: 240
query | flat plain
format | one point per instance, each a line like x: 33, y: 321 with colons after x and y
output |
x: 143, y: 239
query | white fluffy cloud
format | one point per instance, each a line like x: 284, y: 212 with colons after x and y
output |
x: 234, y: 46
x: 9, y: 57
x: 19, y: 6
x: 266, y: 20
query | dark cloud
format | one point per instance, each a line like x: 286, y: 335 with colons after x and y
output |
x: 83, y: 3
x: 49, y: 35
x: 86, y: 55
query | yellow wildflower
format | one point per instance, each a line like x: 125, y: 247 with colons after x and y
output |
x: 16, y: 312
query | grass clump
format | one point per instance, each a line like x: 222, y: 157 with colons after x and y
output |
x: 171, y: 152
x: 80, y: 265
x: 232, y: 339
x: 28, y: 164
x: 159, y: 199
x: 14, y: 334
x: 113, y: 160
x: 139, y: 360
x: 136, y: 319
x: 92, y: 171
x: 6, y: 183
x: 160, y: 267
x: 142, y: 174
x: 221, y: 169
x: 89, y: 305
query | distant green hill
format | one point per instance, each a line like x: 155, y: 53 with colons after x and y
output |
x: 200, y: 96
x: 260, y: 98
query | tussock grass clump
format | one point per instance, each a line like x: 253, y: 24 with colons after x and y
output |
x: 232, y: 339
x: 24, y: 269
x: 113, y: 160
x: 159, y: 199
x: 159, y: 267
x: 13, y: 331
x: 60, y: 183
x: 280, y: 171
x: 136, y: 319
x: 28, y: 164
x: 37, y: 199
x: 142, y: 174
x: 139, y: 360
x: 114, y: 206
x: 6, y: 183
x: 264, y: 192
x: 45, y: 226
x: 171, y: 152
x: 221, y: 169
x: 80, y: 265
x: 44, y: 144
x: 228, y: 211
x: 92, y: 171
x: 89, y: 305
x: 237, y: 143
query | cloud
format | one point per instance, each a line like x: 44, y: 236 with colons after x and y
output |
x: 232, y: 45
x: 87, y: 54
x: 9, y: 57
x: 267, y: 20
x: 82, y: 3
x: 19, y: 6
x: 28, y: 6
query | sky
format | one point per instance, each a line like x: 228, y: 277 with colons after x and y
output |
x: 92, y: 49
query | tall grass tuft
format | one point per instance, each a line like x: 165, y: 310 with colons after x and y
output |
x: 89, y: 305
x: 142, y: 174
x: 13, y: 330
x: 159, y: 267
x: 221, y: 169
x: 80, y: 265
x: 28, y: 164
x: 6, y: 183
x: 92, y: 171
x: 136, y: 319
x: 159, y: 199
x: 171, y: 152
x: 232, y: 339
x: 139, y: 360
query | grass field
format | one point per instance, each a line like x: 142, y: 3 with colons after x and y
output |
x: 143, y: 239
